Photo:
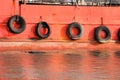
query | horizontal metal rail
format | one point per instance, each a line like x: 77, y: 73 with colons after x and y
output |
x: 75, y: 2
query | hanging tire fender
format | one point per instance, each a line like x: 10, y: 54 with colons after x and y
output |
x: 119, y: 34
x: 43, y: 25
x: 19, y: 20
x: 97, y: 32
x: 75, y: 25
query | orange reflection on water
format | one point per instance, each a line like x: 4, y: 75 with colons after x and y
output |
x: 82, y: 65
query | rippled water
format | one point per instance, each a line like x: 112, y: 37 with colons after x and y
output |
x: 76, y: 65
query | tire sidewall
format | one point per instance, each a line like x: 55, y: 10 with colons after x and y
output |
x: 43, y: 25
x: 22, y: 24
x: 97, y: 32
x: 75, y: 25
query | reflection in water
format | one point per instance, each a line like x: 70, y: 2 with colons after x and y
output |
x: 85, y: 65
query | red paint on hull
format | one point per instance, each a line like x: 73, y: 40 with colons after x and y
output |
x: 48, y: 45
x: 58, y: 17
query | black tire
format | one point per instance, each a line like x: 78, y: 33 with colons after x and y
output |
x: 43, y: 25
x: 18, y: 19
x: 119, y: 34
x: 75, y: 25
x: 106, y: 30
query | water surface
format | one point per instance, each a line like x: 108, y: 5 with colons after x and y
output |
x: 76, y: 65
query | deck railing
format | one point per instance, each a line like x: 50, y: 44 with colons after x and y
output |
x: 74, y: 2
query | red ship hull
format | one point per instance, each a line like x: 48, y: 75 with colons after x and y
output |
x: 58, y: 17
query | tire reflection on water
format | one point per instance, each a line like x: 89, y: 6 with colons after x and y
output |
x: 77, y: 65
